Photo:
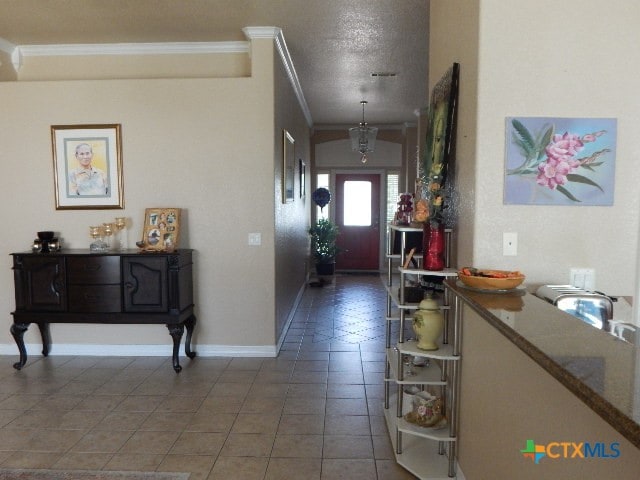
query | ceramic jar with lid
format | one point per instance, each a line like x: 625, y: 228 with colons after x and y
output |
x: 428, y: 323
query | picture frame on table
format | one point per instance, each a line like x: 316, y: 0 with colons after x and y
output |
x: 87, y: 166
x: 161, y: 229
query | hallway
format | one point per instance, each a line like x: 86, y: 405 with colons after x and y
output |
x: 315, y: 412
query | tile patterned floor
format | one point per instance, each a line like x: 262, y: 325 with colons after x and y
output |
x: 315, y: 412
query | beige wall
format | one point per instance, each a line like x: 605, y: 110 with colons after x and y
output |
x: 521, y: 58
x: 206, y: 145
x: 291, y: 219
x: 454, y: 38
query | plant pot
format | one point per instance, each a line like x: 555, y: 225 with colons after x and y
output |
x: 325, y: 268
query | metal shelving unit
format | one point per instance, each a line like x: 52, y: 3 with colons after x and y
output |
x: 428, y: 453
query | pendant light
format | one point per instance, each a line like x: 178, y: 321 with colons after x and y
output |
x: 363, y: 137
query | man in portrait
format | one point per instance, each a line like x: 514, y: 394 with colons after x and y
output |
x: 86, y: 179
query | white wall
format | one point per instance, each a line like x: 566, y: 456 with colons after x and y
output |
x: 523, y: 58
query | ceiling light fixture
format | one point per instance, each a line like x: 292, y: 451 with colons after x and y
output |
x: 363, y: 137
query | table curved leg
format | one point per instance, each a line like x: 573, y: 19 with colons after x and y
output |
x: 190, y: 323
x: 45, y: 333
x: 176, y: 331
x: 17, y: 331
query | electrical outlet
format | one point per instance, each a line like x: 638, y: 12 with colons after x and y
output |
x: 584, y: 278
x: 510, y: 244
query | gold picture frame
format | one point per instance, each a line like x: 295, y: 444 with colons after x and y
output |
x: 87, y: 166
x: 161, y: 230
x: 288, y: 167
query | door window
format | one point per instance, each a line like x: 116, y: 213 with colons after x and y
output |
x: 357, y: 203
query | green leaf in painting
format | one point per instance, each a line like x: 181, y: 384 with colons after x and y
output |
x: 566, y: 192
x: 544, y: 140
x: 522, y: 148
x: 574, y: 177
x: 528, y: 143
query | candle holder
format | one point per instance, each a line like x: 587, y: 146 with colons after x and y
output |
x: 107, y: 230
x: 98, y: 244
x: 120, y: 234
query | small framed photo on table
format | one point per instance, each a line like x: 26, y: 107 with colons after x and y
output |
x: 161, y: 231
x: 87, y: 166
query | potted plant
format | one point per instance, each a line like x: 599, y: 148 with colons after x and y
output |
x: 323, y: 245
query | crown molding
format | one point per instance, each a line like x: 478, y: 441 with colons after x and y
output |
x: 134, y: 48
x: 92, y: 49
x: 261, y: 32
x: 6, y: 46
x: 293, y: 76
x: 277, y: 36
x: 20, y: 51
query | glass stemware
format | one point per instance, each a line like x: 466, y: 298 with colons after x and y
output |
x: 119, y: 237
x: 407, y: 360
x: 98, y: 244
x: 107, y: 229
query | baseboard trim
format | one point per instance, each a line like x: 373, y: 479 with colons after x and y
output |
x: 291, y: 316
x: 89, y: 350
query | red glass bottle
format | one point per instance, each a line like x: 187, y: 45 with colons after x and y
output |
x: 433, y: 246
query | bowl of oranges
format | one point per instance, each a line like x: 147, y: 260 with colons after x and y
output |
x: 488, y: 279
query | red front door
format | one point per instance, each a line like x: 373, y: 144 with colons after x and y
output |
x: 358, y: 218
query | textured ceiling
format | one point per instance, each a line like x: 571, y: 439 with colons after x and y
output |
x: 335, y: 44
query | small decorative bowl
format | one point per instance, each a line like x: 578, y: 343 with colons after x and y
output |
x: 46, y: 236
x: 490, y: 283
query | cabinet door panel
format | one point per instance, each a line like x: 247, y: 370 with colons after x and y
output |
x: 44, y: 283
x: 145, y: 284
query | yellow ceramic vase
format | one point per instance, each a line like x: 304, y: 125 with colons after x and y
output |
x: 428, y: 323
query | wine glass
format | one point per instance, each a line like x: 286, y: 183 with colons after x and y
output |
x: 407, y: 360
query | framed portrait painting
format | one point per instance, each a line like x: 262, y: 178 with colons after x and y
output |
x: 87, y: 166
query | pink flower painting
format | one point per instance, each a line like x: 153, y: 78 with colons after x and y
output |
x: 560, y: 161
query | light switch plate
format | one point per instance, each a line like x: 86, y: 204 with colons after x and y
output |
x: 510, y: 244
x: 254, y: 239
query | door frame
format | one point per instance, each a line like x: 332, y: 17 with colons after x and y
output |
x: 382, y: 172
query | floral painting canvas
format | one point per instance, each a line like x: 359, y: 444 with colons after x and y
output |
x: 560, y: 161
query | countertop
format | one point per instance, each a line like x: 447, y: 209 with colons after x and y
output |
x: 600, y: 369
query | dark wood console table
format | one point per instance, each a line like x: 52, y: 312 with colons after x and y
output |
x: 124, y: 287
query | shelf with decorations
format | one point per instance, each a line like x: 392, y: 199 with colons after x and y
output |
x: 427, y: 452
